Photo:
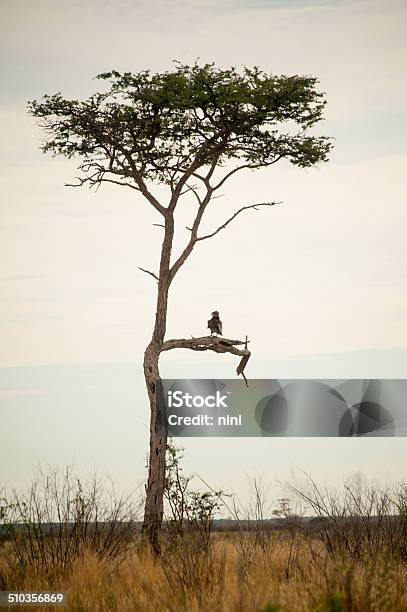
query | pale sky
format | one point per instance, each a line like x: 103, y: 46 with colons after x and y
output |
x: 319, y: 284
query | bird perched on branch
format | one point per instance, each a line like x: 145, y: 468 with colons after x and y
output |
x: 215, y: 324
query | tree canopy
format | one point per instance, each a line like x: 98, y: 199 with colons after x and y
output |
x: 162, y: 128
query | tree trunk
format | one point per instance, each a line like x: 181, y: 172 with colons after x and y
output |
x: 153, y: 512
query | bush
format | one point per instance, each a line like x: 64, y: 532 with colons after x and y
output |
x: 51, y: 523
x: 187, y: 548
x: 361, y: 520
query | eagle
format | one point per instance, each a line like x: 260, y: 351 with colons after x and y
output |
x: 215, y: 324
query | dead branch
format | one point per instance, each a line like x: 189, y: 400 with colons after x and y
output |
x: 240, y: 368
x: 221, y: 227
x: 80, y: 182
x: 216, y: 344
x: 211, y: 343
x: 149, y: 272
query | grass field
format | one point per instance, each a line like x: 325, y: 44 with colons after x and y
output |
x: 235, y: 572
x: 64, y: 535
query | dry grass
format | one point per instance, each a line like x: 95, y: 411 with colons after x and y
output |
x: 224, y: 578
x: 60, y: 535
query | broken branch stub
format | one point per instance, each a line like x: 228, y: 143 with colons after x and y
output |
x: 240, y: 368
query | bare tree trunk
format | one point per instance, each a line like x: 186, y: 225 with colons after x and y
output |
x: 153, y: 511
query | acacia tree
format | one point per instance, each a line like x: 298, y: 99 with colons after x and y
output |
x: 190, y: 129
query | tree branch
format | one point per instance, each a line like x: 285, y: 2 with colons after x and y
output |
x: 242, y: 167
x: 205, y: 343
x: 99, y: 181
x: 137, y: 176
x: 194, y: 230
x: 149, y: 272
x: 221, y: 227
x: 195, y: 226
x: 194, y: 190
x: 203, y: 152
x: 103, y: 180
x: 79, y: 184
x: 213, y: 343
